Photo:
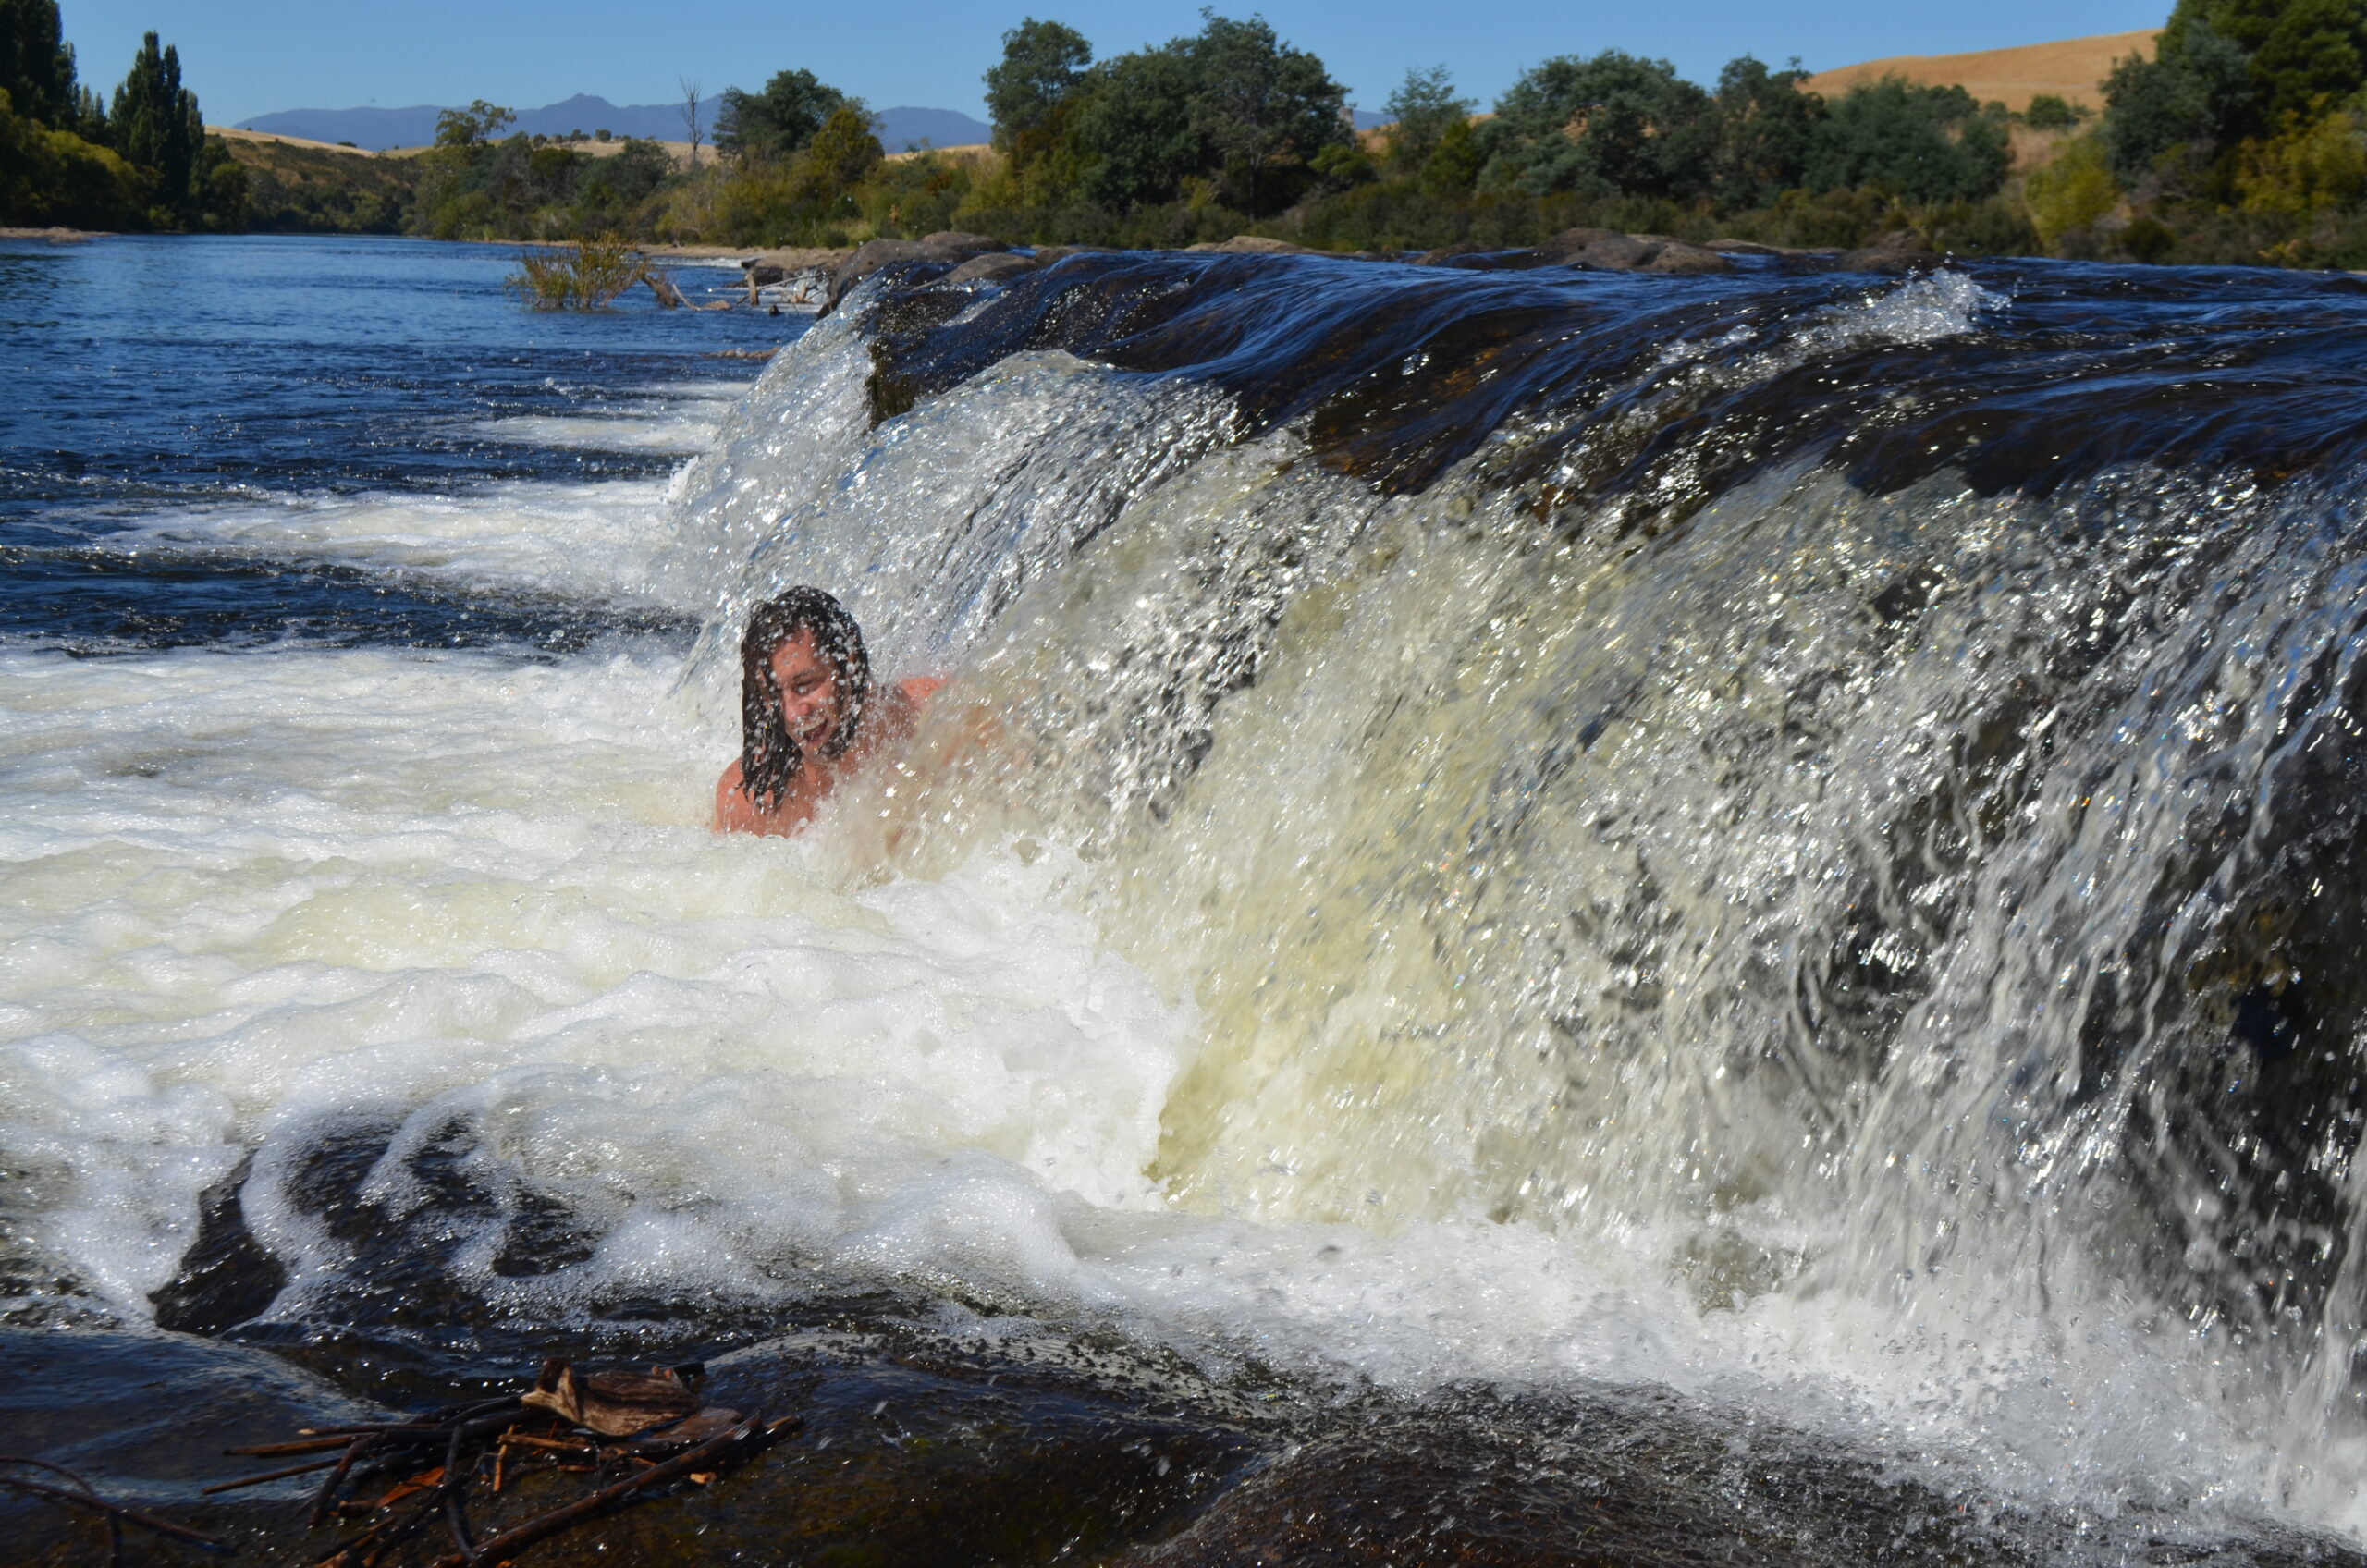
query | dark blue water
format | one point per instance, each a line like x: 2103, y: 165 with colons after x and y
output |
x: 163, y: 378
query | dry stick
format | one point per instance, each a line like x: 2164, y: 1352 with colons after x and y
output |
x: 549, y: 1444
x: 112, y: 1510
x: 273, y: 1451
x: 511, y: 1542
x: 380, y: 1538
x: 456, y: 1479
x: 327, y: 1496
x: 304, y: 1469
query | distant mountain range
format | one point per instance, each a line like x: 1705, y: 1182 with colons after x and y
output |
x: 376, y: 129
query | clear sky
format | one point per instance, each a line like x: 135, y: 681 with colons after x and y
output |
x: 249, y: 58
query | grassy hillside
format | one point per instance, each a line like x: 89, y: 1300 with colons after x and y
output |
x: 2070, y: 69
x: 295, y: 187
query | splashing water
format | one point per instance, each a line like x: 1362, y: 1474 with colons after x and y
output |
x: 1777, y: 836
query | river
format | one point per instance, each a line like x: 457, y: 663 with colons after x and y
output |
x: 1780, y: 851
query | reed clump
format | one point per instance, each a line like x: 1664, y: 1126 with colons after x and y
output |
x: 587, y: 274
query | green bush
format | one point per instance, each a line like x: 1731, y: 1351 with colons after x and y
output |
x: 2072, y: 192
x: 53, y: 176
x: 1927, y: 143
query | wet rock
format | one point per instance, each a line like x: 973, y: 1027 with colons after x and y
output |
x: 993, y: 268
x: 1047, y: 254
x: 1015, y: 1444
x: 1902, y: 250
x: 762, y: 273
x: 1631, y: 1481
x: 226, y: 1278
x: 144, y: 1417
x: 1249, y: 245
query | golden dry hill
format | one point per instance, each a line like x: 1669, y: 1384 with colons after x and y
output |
x: 2070, y: 69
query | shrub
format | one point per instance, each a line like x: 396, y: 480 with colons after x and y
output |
x: 586, y: 276
x: 2072, y: 192
x: 1927, y: 143
x: 2049, y: 111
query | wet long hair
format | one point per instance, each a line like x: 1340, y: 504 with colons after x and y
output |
x: 769, y: 757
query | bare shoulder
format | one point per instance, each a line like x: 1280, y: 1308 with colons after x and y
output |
x: 919, y: 689
x: 734, y: 811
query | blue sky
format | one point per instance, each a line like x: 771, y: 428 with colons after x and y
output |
x: 249, y: 58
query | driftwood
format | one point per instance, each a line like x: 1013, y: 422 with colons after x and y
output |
x: 409, y: 1475
x: 746, y: 1438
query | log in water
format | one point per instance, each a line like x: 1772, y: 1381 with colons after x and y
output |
x: 1762, y: 860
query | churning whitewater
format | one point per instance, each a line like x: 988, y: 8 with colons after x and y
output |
x: 1793, y: 838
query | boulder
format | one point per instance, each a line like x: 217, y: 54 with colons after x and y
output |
x: 1608, y: 250
x: 872, y: 255
x: 961, y: 240
x: 1479, y: 258
x: 1249, y: 245
x: 1676, y: 256
x: 993, y: 267
x: 1900, y: 250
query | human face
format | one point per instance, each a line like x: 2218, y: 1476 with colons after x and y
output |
x: 809, y: 689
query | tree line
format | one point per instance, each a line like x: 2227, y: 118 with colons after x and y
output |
x: 1233, y: 129
x: 2243, y: 140
x: 137, y: 159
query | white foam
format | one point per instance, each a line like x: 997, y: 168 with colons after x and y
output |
x: 603, y: 540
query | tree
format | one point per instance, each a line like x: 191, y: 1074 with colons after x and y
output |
x: 479, y: 122
x: 2296, y: 53
x: 2200, y: 95
x: 37, y: 64
x: 154, y: 123
x: 1042, y: 64
x: 1613, y: 123
x: 691, y: 116
x: 55, y: 177
x: 1924, y: 143
x: 771, y: 125
x: 844, y: 149
x: 1259, y: 100
x: 1134, y: 128
x: 1419, y: 112
x: 1764, y: 125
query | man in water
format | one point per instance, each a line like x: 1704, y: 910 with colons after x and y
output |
x: 809, y: 713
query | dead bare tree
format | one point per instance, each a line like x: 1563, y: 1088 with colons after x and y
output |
x: 691, y: 114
